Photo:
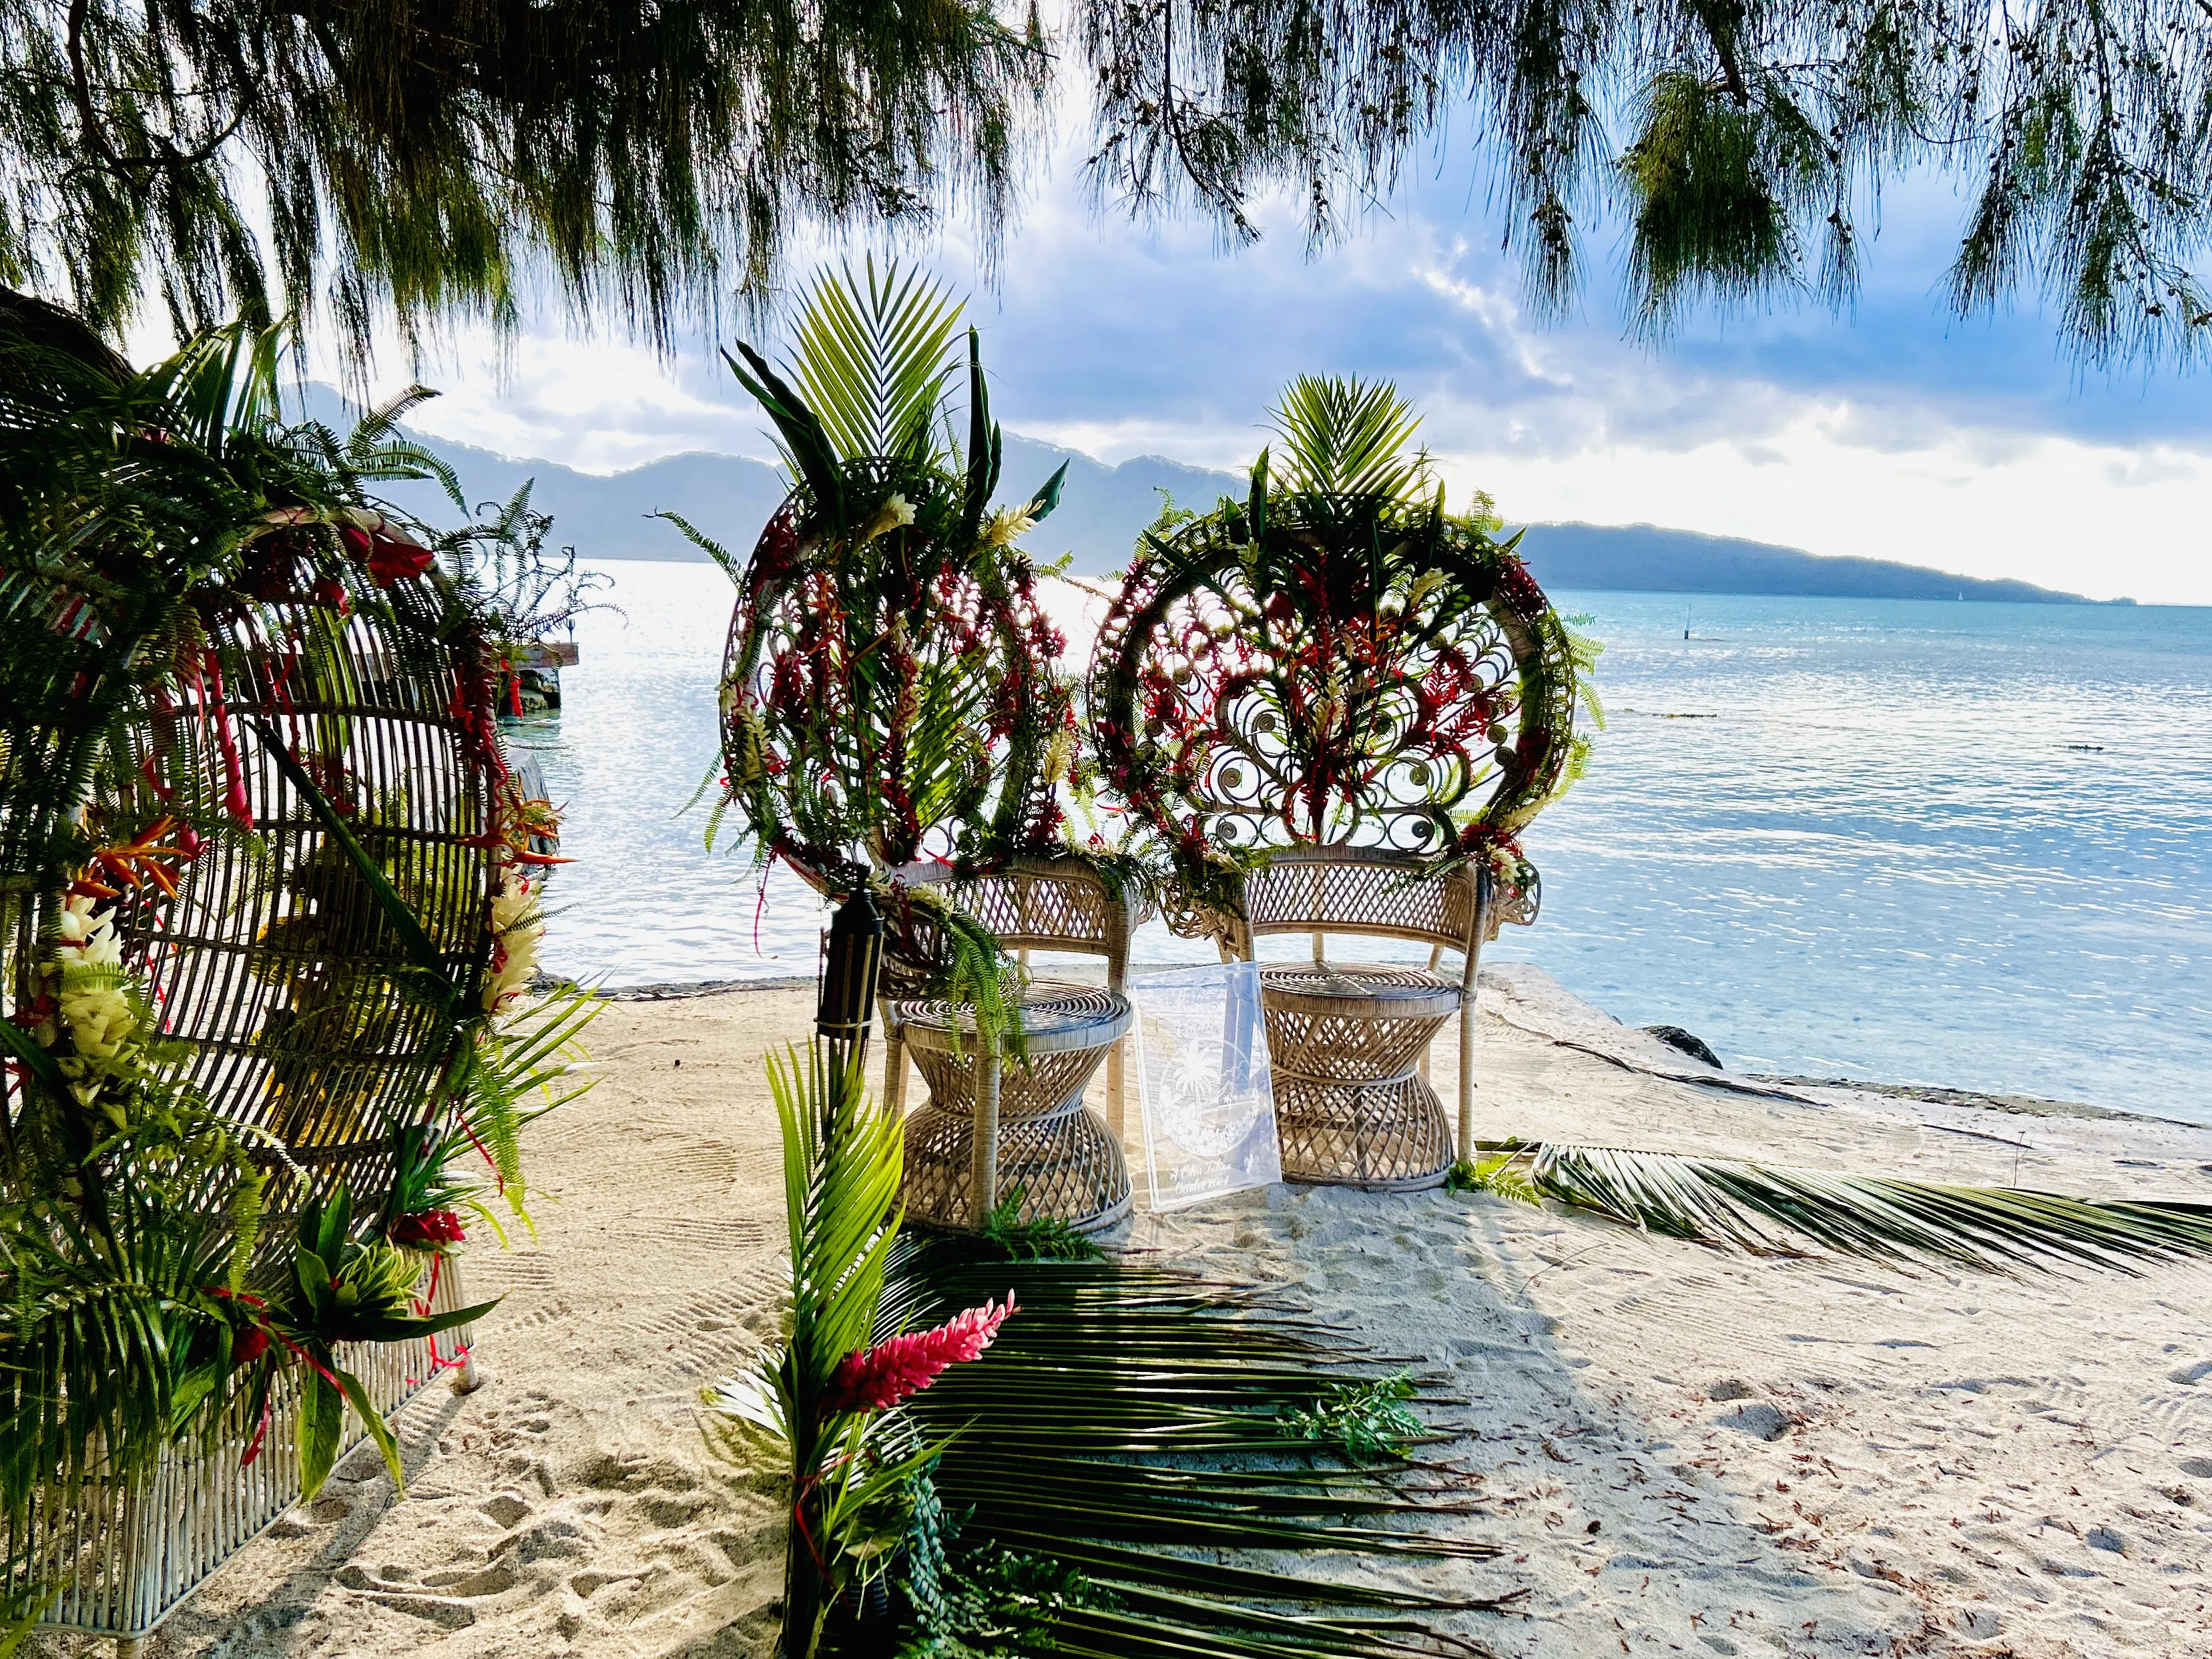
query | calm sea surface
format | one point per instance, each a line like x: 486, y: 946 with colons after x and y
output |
x: 1959, y: 844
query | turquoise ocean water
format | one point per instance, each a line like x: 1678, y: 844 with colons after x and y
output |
x: 1957, y: 844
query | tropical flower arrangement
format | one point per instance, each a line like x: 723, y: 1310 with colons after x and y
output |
x: 893, y: 697
x: 818, y: 1412
x: 190, y: 583
x: 1338, y: 659
x: 1008, y: 1443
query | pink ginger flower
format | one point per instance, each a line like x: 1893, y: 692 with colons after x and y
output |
x: 875, y: 1379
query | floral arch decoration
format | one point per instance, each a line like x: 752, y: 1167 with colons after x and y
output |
x: 1312, y: 668
x: 884, y: 703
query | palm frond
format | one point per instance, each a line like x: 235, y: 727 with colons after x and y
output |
x: 103, y: 1320
x: 806, y: 447
x: 1128, y: 1418
x: 507, y: 1075
x: 842, y: 1168
x: 1772, y: 1210
x: 872, y: 357
x: 1348, y: 437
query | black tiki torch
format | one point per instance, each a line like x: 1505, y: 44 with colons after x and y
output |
x: 855, y: 954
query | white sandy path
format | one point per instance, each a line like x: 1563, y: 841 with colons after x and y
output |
x: 1963, y: 1465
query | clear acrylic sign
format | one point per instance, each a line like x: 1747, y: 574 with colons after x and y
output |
x: 1202, y: 1083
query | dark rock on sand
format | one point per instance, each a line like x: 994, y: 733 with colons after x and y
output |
x: 1691, y: 1044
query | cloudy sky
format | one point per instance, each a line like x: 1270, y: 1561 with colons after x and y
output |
x: 1896, y: 432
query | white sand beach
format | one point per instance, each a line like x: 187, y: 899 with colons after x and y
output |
x: 1680, y: 1451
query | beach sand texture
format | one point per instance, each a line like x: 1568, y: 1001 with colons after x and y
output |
x: 1680, y: 1451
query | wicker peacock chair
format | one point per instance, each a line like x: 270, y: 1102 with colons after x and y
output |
x: 1340, y: 705
x: 893, y: 719
x: 140, y: 769
x: 974, y: 861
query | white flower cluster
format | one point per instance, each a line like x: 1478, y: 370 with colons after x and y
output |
x: 95, y: 1004
x: 1008, y: 526
x: 895, y: 512
x: 517, y: 925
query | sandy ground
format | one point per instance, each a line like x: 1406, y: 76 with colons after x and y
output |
x: 1683, y: 1452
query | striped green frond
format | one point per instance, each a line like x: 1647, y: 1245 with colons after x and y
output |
x: 1168, y: 1453
x: 872, y: 357
x: 1772, y: 1210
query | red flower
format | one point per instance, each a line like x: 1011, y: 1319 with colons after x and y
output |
x: 875, y: 1379
x: 431, y: 1230
x: 331, y: 592
x: 391, y: 560
x: 248, y: 1345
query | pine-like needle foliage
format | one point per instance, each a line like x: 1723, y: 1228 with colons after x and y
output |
x: 369, y: 156
x: 1745, y: 141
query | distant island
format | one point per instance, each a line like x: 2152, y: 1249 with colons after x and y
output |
x: 1645, y: 558
x: 1103, y: 508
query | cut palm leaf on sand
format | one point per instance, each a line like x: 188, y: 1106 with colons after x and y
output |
x: 1771, y: 1209
x: 1132, y: 1424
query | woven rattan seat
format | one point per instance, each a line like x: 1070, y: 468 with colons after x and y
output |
x: 993, y: 1124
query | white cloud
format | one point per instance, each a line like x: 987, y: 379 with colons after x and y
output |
x: 2053, y: 513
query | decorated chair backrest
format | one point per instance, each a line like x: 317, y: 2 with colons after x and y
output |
x: 1337, y: 693
x: 278, y: 981
x: 888, y: 702
x: 941, y: 703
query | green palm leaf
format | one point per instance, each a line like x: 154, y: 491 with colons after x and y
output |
x: 872, y: 357
x: 1348, y: 437
x: 1133, y: 1424
x: 1770, y: 1210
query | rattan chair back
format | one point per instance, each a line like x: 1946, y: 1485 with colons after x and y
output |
x: 1365, y: 890
x: 275, y: 964
x: 275, y: 968
x: 1052, y: 904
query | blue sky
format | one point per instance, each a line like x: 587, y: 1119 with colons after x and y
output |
x: 1895, y: 431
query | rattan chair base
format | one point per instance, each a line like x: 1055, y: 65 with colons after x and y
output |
x: 1350, y: 1106
x: 1066, y: 1160
x: 1388, y: 1137
x: 1067, y: 1165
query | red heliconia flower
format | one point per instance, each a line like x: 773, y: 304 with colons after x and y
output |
x: 248, y: 1345
x: 877, y: 1378
x: 332, y: 592
x: 391, y: 560
x: 430, y: 1229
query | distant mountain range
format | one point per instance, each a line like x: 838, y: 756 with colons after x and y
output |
x: 1103, y: 508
